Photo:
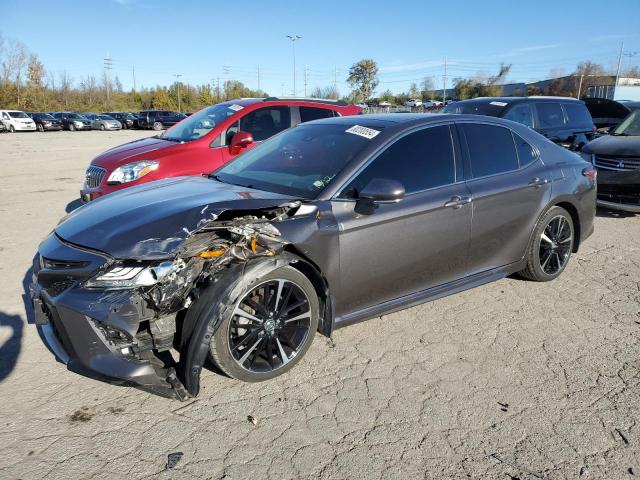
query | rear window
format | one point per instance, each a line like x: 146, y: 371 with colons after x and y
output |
x: 550, y: 115
x: 308, y: 114
x: 578, y: 115
x: 491, y: 149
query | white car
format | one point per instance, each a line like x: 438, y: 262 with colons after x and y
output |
x: 413, y: 103
x: 17, y: 121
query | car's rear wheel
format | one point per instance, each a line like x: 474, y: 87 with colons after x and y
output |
x: 271, y: 327
x: 550, y: 247
x: 157, y: 126
x: 102, y: 127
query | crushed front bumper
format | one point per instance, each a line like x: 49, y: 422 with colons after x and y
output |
x: 92, y: 331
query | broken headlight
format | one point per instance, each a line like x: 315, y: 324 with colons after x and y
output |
x: 132, y: 171
x: 121, y: 277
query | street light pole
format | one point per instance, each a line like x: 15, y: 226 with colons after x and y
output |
x: 293, y: 39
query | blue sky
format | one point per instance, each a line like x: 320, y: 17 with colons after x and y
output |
x: 408, y: 39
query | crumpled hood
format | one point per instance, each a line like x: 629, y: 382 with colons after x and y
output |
x: 119, y: 155
x: 614, y: 145
x: 152, y: 220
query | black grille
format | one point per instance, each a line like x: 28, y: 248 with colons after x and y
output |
x: 616, y: 162
x: 94, y: 176
x: 57, y: 288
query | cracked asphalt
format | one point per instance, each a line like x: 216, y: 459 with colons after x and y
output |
x: 512, y: 380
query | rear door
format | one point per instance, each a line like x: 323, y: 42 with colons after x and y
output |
x: 509, y: 185
x: 412, y: 245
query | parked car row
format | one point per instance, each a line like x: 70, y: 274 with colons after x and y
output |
x: 327, y: 218
x: 15, y: 120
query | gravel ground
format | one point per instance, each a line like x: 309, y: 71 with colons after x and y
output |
x: 512, y: 380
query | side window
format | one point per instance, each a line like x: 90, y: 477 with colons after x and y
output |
x: 419, y: 161
x: 526, y: 153
x: 491, y: 149
x: 266, y: 122
x: 521, y: 113
x: 5, y: 116
x: 550, y: 115
x: 311, y: 113
x: 578, y: 115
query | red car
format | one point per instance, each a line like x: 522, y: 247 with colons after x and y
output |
x: 202, y: 142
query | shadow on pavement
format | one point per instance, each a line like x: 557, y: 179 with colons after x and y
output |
x: 607, y: 213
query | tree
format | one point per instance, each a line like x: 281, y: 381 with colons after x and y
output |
x: 413, y: 91
x: 387, y: 96
x: 363, y: 76
x: 325, y: 92
x: 427, y: 86
x: 161, y: 99
x: 88, y: 86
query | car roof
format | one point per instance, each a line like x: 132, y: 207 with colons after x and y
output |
x: 537, y: 98
x: 404, y: 119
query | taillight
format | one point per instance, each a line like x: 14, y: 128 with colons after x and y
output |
x: 590, y: 172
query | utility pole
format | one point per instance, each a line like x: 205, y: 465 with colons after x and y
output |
x: 618, y: 69
x: 226, y: 70
x: 179, y: 96
x: 444, y: 82
x: 306, y: 71
x: 335, y: 78
x: 293, y: 39
x: 134, y: 78
x: 580, y: 86
x: 258, y: 78
x: 282, y: 86
x: 108, y: 65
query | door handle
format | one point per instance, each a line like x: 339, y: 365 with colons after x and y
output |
x: 538, y: 182
x: 458, y: 201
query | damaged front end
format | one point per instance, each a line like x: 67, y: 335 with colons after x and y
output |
x: 132, y: 321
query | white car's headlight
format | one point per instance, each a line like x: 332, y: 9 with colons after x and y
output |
x: 132, y: 171
x: 121, y: 278
x: 77, y: 123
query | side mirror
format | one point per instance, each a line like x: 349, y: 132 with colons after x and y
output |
x: 378, y: 190
x: 239, y: 141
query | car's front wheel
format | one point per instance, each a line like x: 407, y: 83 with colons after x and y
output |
x: 157, y: 126
x: 550, y: 247
x: 72, y: 127
x: 12, y: 129
x: 40, y: 127
x: 270, y: 329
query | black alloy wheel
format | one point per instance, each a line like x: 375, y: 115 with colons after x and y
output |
x: 556, y: 242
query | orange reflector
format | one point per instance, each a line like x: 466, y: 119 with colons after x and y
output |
x: 210, y: 253
x: 254, y: 244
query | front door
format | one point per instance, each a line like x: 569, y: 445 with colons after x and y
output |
x: 414, y: 244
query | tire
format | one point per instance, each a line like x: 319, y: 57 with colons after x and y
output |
x: 279, y: 340
x: 12, y: 129
x: 72, y: 127
x: 549, y: 249
x: 40, y: 128
x: 102, y: 127
x: 157, y: 126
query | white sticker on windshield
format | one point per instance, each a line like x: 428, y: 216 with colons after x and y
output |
x: 237, y: 108
x: 363, y: 131
x: 499, y: 104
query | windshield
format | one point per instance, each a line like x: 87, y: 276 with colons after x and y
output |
x: 105, y: 117
x: 18, y: 115
x: 299, y: 162
x: 201, y: 123
x: 493, y: 109
x: 629, y: 126
x: 44, y: 116
x: 75, y: 116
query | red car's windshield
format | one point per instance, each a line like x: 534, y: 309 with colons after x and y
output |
x: 200, y: 123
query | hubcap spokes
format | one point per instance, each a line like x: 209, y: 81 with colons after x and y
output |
x: 269, y: 326
x: 556, y: 242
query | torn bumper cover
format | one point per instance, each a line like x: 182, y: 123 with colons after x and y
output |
x: 128, y: 321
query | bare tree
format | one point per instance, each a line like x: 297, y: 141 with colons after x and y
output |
x: 325, y: 92
x: 14, y: 55
x: 89, y: 85
x: 65, y: 88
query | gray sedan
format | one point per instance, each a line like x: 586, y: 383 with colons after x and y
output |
x: 331, y: 222
x: 103, y: 122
